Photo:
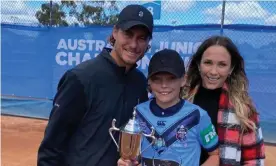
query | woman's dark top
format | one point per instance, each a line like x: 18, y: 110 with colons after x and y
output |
x: 209, y: 101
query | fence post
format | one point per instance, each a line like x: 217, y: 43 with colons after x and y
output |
x: 51, y: 5
x: 222, y: 17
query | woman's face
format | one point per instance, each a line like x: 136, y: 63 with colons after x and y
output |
x: 215, y: 67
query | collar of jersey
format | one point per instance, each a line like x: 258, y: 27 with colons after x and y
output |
x: 160, y: 112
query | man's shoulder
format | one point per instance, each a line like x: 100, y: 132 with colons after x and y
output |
x: 86, y: 70
x: 139, y: 74
x: 89, y: 65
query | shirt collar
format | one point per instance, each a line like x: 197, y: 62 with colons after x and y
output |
x: 160, y: 112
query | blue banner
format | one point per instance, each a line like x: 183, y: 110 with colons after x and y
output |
x: 34, y: 59
x: 155, y: 9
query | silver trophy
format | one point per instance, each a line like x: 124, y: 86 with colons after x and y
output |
x: 130, y: 138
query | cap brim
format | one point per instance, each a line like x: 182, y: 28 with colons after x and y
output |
x: 165, y: 70
x: 127, y: 25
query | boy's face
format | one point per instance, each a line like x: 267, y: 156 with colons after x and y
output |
x: 166, y: 88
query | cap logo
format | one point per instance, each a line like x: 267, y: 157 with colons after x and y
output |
x: 140, y: 14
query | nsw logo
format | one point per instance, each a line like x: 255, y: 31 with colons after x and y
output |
x: 181, y: 133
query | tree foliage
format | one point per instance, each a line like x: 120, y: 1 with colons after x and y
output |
x: 78, y: 13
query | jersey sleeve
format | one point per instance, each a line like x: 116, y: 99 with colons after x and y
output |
x: 208, y: 137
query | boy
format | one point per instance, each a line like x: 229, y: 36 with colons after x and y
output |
x: 181, y: 127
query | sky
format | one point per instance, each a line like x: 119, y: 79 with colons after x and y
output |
x: 172, y: 12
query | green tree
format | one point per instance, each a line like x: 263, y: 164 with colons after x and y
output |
x: 57, y: 15
x: 85, y: 13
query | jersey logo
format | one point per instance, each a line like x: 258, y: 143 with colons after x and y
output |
x: 161, y: 123
x: 160, y: 145
x: 208, y: 134
x: 181, y: 133
x: 56, y: 105
x: 143, y: 126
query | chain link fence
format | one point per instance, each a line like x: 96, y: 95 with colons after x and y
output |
x: 257, y: 45
x: 85, y: 13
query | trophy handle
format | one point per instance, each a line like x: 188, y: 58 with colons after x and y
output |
x: 151, y: 135
x: 114, y: 128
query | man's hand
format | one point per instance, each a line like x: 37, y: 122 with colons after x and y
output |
x: 123, y: 162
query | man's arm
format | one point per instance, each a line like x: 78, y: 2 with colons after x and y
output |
x: 68, y: 109
x: 144, y: 97
x: 145, y: 94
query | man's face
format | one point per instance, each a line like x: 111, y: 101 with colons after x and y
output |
x: 130, y: 45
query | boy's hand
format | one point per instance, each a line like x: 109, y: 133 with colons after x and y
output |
x: 123, y: 162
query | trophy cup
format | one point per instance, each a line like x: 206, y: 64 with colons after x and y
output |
x: 130, y: 138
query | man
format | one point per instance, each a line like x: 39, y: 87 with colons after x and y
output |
x: 96, y: 91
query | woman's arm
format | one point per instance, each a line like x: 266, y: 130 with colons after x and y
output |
x: 252, y: 148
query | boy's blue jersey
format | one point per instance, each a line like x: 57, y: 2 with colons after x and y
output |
x: 178, y: 137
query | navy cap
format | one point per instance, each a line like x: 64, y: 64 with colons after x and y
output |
x: 133, y: 15
x: 166, y: 60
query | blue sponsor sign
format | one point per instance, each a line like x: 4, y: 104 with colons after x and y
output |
x: 155, y: 8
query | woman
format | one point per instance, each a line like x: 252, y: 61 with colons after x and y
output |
x: 216, y: 81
